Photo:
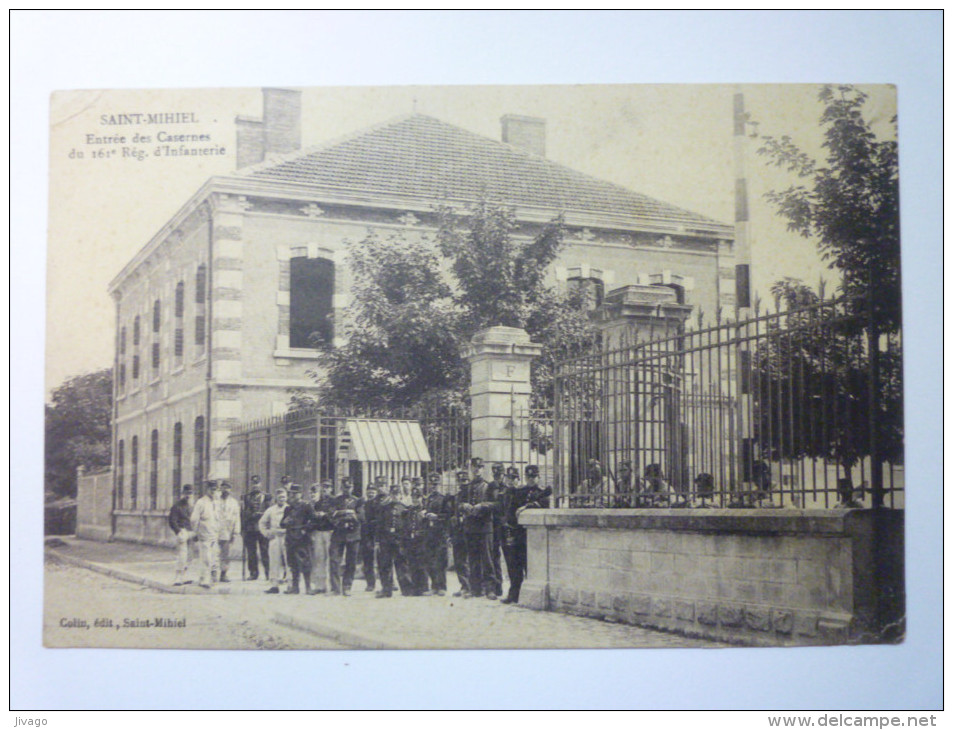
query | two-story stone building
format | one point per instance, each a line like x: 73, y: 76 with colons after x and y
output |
x: 214, y: 315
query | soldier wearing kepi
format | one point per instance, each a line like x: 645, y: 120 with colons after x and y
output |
x: 253, y: 507
x: 458, y: 538
x: 478, y: 509
x: 438, y: 511
x: 372, y: 501
x: 270, y: 526
x: 498, y: 485
x: 412, y: 563
x: 322, y: 503
x: 388, y: 517
x: 515, y: 500
x: 345, y: 538
x: 299, y: 521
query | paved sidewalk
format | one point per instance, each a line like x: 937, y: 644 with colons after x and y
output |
x: 363, y: 621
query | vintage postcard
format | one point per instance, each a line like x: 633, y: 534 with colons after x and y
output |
x: 474, y: 367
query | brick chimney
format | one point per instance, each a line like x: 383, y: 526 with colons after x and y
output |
x: 277, y: 133
x: 528, y: 133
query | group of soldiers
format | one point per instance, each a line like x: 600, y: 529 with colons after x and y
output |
x: 401, y: 534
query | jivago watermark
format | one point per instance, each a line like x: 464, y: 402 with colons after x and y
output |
x: 29, y: 721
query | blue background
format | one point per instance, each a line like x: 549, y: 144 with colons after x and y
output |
x: 61, y: 50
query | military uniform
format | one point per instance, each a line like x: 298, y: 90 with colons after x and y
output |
x: 498, y: 487
x: 514, y: 535
x: 412, y: 557
x: 458, y: 538
x: 369, y: 538
x: 478, y: 507
x: 438, y: 512
x: 345, y: 541
x: 299, y: 522
x: 388, y: 517
x: 253, y: 507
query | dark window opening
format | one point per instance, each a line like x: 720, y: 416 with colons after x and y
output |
x: 120, y: 466
x: 200, y: 330
x: 179, y: 299
x: 200, y: 285
x: 156, y: 315
x: 155, y: 355
x: 154, y: 470
x: 179, y: 340
x: 122, y: 375
x: 135, y: 367
x: 176, y: 461
x: 199, y: 448
x: 122, y: 341
x: 134, y: 477
x: 135, y: 331
x: 591, y: 290
x: 312, y: 292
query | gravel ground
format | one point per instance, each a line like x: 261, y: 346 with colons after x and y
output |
x: 212, y: 621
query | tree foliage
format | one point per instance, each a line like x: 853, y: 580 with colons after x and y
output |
x: 811, y: 384
x: 850, y: 202
x: 418, y: 299
x: 78, y: 419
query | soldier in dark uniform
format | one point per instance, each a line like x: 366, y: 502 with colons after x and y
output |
x: 411, y: 563
x: 477, y: 509
x: 345, y: 538
x: 458, y: 538
x: 498, y: 486
x: 515, y: 499
x: 388, y: 516
x: 253, y: 507
x: 438, y: 511
x: 299, y: 521
x: 373, y: 495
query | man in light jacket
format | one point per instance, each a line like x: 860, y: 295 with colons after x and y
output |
x: 270, y: 526
x: 206, y: 526
x: 229, y: 526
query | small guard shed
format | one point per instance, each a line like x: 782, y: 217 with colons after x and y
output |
x: 382, y: 447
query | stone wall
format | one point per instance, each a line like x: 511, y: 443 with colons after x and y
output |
x: 94, y: 501
x: 753, y: 576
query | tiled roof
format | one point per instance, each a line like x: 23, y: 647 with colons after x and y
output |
x: 420, y: 157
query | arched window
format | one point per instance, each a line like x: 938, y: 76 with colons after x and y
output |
x: 134, y: 477
x: 311, y: 302
x: 198, y: 469
x: 176, y: 461
x: 120, y: 472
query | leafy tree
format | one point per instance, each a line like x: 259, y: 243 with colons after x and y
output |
x: 850, y: 202
x: 417, y: 301
x: 810, y: 380
x: 78, y: 420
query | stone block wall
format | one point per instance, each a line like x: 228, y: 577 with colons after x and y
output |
x: 753, y: 576
x: 94, y: 495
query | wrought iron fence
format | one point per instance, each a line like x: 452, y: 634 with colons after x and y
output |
x: 796, y: 407
x: 304, y: 445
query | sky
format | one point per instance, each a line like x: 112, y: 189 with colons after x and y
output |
x: 671, y: 142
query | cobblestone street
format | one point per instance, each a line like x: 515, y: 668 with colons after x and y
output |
x: 245, y: 617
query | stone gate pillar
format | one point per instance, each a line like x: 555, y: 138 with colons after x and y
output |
x: 499, y: 388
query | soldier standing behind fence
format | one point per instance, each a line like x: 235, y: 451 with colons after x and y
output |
x: 438, y: 511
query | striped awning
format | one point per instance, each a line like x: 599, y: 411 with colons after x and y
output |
x: 386, y: 440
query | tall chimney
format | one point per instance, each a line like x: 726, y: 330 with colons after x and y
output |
x: 282, y: 121
x: 250, y: 141
x: 528, y: 133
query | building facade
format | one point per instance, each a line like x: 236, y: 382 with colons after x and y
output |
x: 216, y: 315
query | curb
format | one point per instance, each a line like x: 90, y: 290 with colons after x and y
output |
x: 133, y: 578
x: 328, y: 631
